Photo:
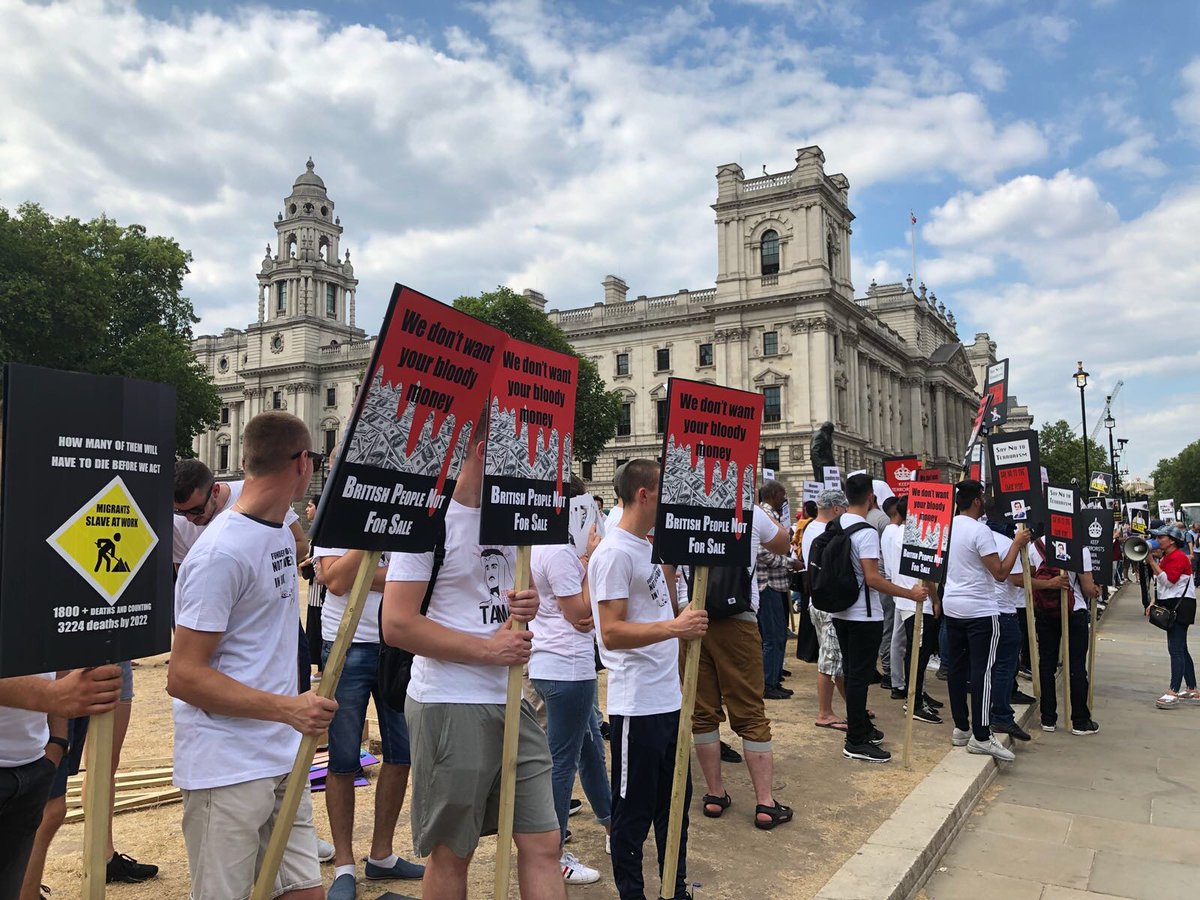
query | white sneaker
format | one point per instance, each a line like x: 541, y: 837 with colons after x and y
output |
x: 959, y: 738
x: 575, y: 872
x: 324, y: 850
x: 990, y: 747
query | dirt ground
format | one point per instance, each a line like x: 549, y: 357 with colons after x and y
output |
x: 838, y: 804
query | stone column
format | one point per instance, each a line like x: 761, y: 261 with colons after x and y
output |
x: 235, y: 436
x: 352, y: 298
x: 940, y: 444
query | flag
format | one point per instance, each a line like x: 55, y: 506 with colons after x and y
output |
x: 912, y: 217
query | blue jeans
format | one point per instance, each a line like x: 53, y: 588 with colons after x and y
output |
x: 575, y: 745
x: 1182, y: 668
x: 1004, y: 670
x: 359, y: 681
x: 772, y: 625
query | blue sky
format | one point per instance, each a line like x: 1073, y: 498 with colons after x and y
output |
x: 1047, y: 148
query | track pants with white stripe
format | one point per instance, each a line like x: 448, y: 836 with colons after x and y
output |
x: 643, y: 766
x: 971, y: 648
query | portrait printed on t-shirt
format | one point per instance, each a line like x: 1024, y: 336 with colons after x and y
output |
x: 498, y: 576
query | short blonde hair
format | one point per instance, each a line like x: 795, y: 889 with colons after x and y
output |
x: 271, y: 440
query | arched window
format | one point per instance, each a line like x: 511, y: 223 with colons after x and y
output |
x: 770, y: 253
x: 323, y: 250
x: 291, y: 246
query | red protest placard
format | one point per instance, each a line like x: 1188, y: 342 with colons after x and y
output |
x: 927, y: 531
x: 1012, y: 480
x: 426, y: 388
x: 706, y: 496
x: 528, y: 456
x: 900, y: 472
x: 929, y: 475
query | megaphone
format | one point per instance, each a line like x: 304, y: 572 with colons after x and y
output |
x: 1136, y: 549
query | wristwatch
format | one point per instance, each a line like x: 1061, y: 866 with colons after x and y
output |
x: 60, y: 741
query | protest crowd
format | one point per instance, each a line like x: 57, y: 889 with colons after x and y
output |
x: 834, y: 581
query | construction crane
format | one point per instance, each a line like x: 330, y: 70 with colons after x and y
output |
x: 1107, y: 409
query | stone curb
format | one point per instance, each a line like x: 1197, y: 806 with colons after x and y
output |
x: 904, y: 851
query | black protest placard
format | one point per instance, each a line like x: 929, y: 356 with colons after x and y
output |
x: 706, y: 495
x: 1016, y: 469
x: 1096, y: 528
x: 996, y: 387
x: 1101, y: 483
x: 85, y: 542
x: 425, y: 390
x: 528, y: 458
x: 1139, y: 521
x: 1064, y: 543
x: 927, y: 530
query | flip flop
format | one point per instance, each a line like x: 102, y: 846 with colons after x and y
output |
x: 836, y: 726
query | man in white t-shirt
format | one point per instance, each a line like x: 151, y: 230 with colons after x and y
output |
x: 830, y: 505
x: 637, y: 631
x: 1010, y: 603
x: 238, y: 717
x: 464, y: 646
x: 973, y: 568
x: 904, y: 616
x: 860, y: 627
x: 732, y: 675
x: 33, y: 740
x: 358, y: 683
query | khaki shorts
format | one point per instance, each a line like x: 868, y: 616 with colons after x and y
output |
x: 456, y: 751
x: 731, y: 673
x: 226, y: 831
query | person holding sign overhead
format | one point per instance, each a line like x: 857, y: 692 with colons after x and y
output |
x: 972, y: 616
x: 464, y: 645
x: 637, y: 631
x: 238, y: 718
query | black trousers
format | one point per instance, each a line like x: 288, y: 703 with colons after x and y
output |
x: 1023, y: 618
x: 860, y: 649
x: 929, y: 646
x: 643, y: 766
x: 23, y: 793
x: 1049, y: 635
x: 972, y: 651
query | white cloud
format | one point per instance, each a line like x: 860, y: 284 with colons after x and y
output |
x: 989, y: 73
x: 1187, y: 105
x: 1133, y: 156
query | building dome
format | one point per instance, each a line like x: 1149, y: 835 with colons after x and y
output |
x: 309, y: 178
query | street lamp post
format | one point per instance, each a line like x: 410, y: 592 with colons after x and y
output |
x: 1081, y: 380
x: 1110, y: 423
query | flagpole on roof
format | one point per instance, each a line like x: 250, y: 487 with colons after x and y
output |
x: 913, y: 222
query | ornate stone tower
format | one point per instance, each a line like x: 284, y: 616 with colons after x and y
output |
x: 305, y: 277
x: 787, y: 233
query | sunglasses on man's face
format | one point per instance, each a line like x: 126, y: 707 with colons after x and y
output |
x: 318, y: 459
x: 197, y: 510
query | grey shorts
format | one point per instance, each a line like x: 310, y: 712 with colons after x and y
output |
x: 456, y: 750
x: 829, y: 657
x: 226, y: 831
x: 126, y: 682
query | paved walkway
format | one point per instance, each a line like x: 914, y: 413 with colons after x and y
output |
x: 1116, y: 814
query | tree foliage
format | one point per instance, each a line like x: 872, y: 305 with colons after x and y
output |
x: 1178, y: 477
x: 102, y: 298
x: 1062, y: 455
x: 596, y: 408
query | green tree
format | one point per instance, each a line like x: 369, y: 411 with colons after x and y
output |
x: 1062, y: 455
x: 1178, y: 477
x: 102, y: 298
x: 596, y: 409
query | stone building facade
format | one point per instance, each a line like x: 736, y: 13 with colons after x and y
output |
x: 304, y: 354
x: 888, y: 369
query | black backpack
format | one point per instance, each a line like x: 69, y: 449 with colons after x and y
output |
x: 728, y: 590
x: 831, y: 577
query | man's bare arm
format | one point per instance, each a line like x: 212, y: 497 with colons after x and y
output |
x: 405, y: 627
x: 81, y: 692
x: 301, y: 540
x: 339, y: 572
x: 620, y: 634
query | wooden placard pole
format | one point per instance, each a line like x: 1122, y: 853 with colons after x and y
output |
x: 1065, y: 596
x: 1035, y: 667
x: 1092, y: 654
x: 683, y: 743
x: 297, y: 783
x: 914, y: 659
x: 508, y: 759
x: 96, y: 799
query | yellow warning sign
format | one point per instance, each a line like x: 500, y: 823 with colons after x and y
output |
x: 107, y: 540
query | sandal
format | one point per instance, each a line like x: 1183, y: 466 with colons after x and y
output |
x: 778, y: 813
x: 836, y: 726
x: 722, y: 802
x: 1167, y: 701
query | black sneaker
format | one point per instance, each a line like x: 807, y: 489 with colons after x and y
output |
x: 785, y: 673
x: 575, y: 806
x: 605, y: 730
x: 866, y: 752
x: 1025, y: 672
x: 877, y: 678
x: 1014, y: 730
x: 1084, y: 728
x: 899, y: 694
x: 886, y: 684
x: 876, y: 736
x: 125, y: 869
x: 927, y: 715
x: 774, y: 693
x: 931, y: 702
x: 1048, y: 726
x: 942, y: 674
x: 1022, y: 697
x: 729, y: 755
